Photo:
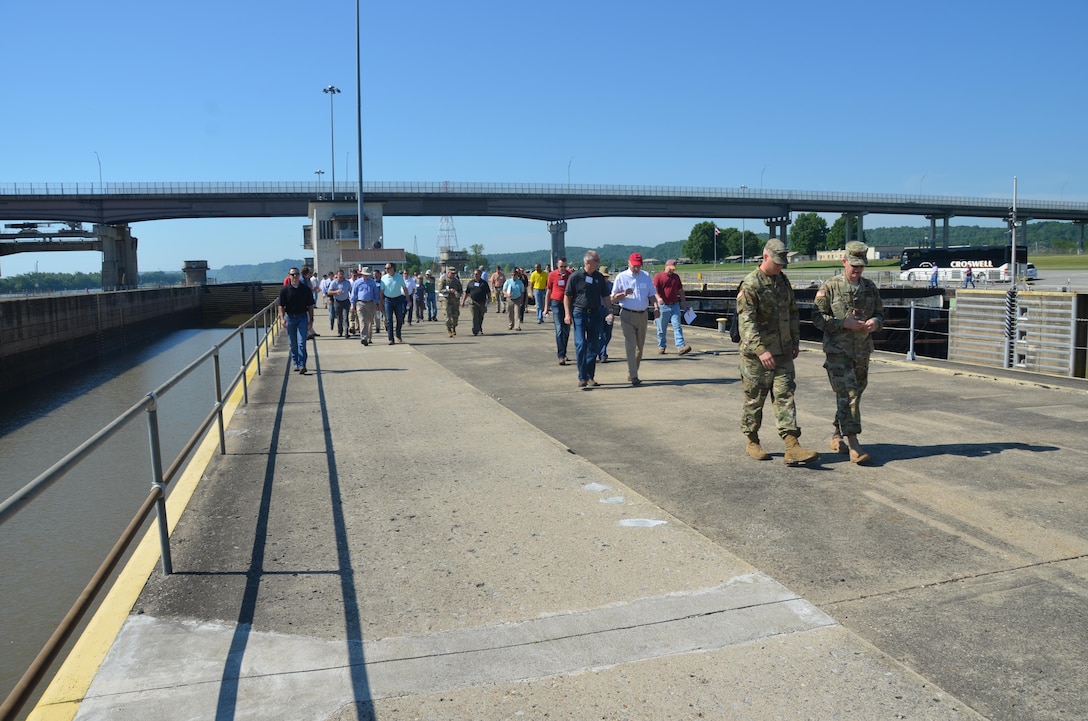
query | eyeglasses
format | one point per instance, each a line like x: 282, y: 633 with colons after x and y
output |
x: 293, y: 274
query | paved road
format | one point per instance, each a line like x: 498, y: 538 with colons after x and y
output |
x: 962, y: 551
x: 451, y: 529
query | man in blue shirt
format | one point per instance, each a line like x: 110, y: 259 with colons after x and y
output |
x: 513, y: 290
x: 395, y: 296
x: 364, y: 298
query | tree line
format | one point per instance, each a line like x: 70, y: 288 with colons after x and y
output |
x: 33, y: 283
x: 809, y: 233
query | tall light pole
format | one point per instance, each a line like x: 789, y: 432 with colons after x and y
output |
x: 359, y: 120
x: 319, y: 173
x: 331, y: 91
x: 99, y: 171
x: 742, y: 256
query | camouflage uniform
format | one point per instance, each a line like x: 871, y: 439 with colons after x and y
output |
x: 767, y: 315
x: 847, y: 351
x: 450, y: 289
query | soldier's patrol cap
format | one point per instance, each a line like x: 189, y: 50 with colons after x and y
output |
x: 777, y: 250
x: 857, y: 253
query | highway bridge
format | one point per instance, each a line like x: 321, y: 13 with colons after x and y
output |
x: 112, y: 206
x: 115, y: 203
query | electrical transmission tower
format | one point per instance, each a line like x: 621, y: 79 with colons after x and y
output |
x: 446, y: 249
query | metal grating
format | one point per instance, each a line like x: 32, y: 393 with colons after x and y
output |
x: 1045, y: 329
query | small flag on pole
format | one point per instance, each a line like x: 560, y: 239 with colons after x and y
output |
x: 716, y: 231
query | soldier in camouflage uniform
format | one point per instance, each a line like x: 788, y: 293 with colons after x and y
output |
x: 450, y: 289
x: 848, y: 311
x: 770, y: 333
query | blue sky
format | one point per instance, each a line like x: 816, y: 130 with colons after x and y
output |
x: 936, y: 97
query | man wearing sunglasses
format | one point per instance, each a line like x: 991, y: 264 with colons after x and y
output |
x: 295, y: 303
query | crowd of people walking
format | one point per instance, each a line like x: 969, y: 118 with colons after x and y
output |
x: 585, y: 302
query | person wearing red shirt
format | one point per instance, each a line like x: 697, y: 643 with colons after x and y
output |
x: 671, y: 300
x: 557, y: 290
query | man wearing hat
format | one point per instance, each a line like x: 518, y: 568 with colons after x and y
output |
x: 451, y: 290
x: 634, y: 290
x: 848, y: 311
x: 770, y: 335
x: 364, y: 299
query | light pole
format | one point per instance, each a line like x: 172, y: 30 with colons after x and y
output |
x: 359, y: 121
x: 99, y: 171
x: 742, y: 256
x: 332, y: 90
x: 319, y: 173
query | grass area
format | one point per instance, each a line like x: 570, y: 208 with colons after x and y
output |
x: 1059, y: 262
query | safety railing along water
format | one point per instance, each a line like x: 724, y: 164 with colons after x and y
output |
x: 265, y: 330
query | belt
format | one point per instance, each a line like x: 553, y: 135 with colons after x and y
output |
x: 642, y: 312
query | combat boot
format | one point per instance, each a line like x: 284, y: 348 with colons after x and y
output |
x: 837, y: 444
x: 755, y: 450
x: 856, y: 454
x: 796, y: 454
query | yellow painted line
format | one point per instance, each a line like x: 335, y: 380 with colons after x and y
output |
x: 66, y: 691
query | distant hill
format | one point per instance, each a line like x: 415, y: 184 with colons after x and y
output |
x: 272, y: 272
x: 612, y: 256
x: 1043, y: 236
x: 1049, y: 236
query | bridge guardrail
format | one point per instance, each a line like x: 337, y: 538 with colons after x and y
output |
x: 313, y: 188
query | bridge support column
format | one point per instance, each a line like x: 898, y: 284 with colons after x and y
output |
x: 1080, y: 242
x: 777, y: 228
x: 851, y: 232
x: 558, y: 229
x: 119, y: 266
x: 933, y: 230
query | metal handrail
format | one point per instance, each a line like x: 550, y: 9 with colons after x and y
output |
x: 265, y: 330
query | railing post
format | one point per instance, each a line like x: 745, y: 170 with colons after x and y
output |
x: 245, y: 382
x: 910, y: 330
x: 257, y: 341
x: 219, y: 402
x: 157, y: 483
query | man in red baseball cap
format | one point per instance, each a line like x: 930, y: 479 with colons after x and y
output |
x: 634, y: 290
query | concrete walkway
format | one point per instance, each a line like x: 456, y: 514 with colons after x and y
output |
x: 451, y: 529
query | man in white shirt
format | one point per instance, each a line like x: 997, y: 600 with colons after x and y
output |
x: 634, y: 290
x: 410, y: 292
